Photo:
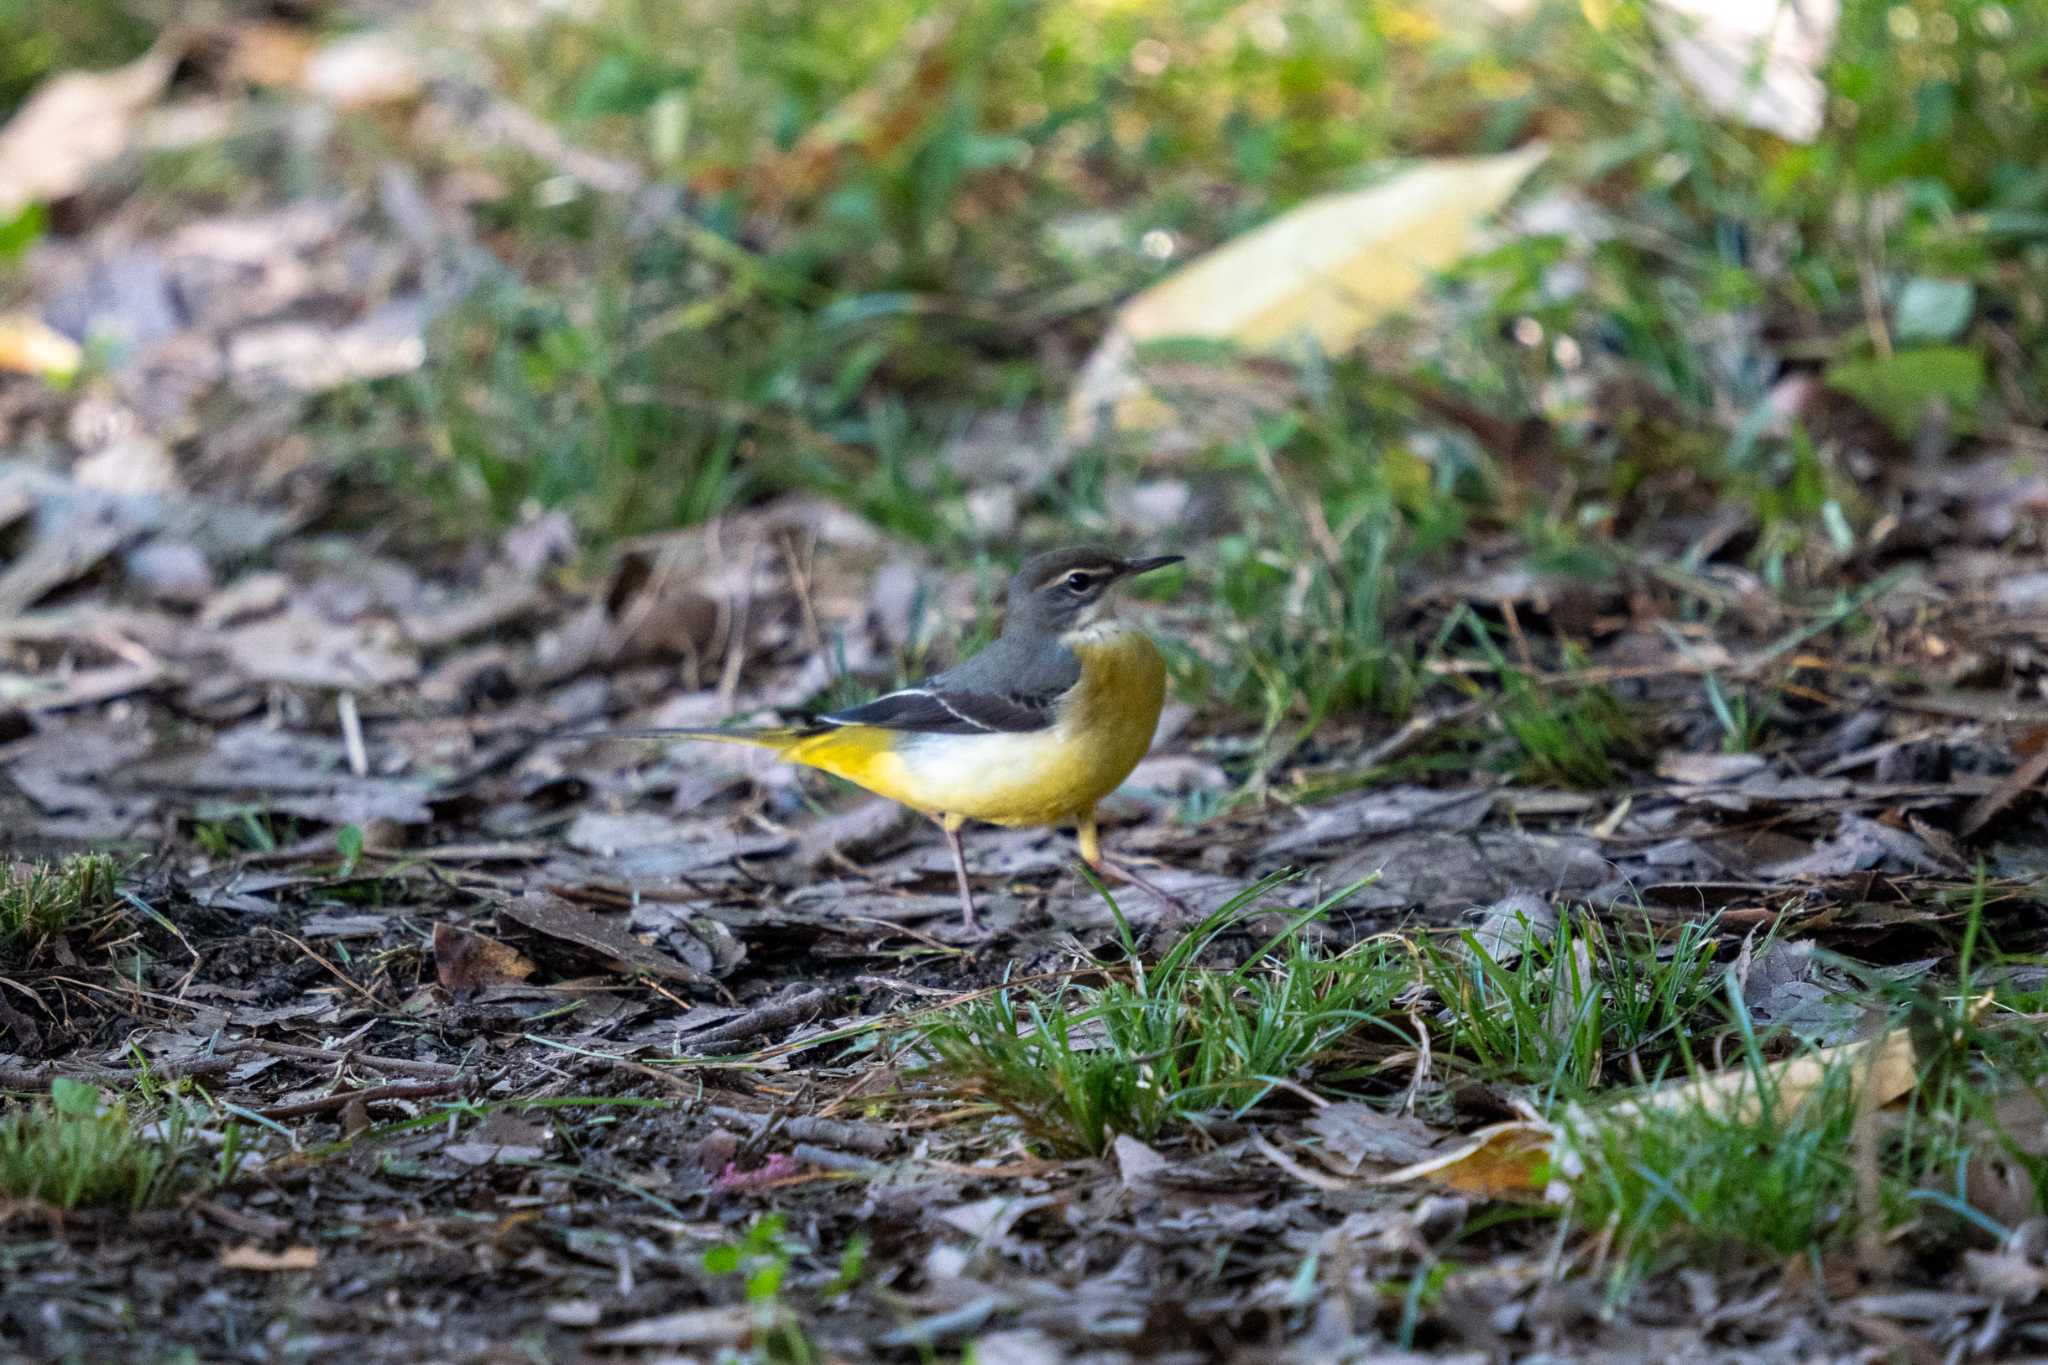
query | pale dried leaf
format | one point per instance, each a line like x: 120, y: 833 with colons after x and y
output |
x: 310, y: 651
x: 1753, y: 60
x: 30, y: 346
x: 364, y: 69
x: 690, y: 1327
x: 1354, y: 1134
x: 249, y: 1256
x: 1325, y: 271
x: 75, y: 123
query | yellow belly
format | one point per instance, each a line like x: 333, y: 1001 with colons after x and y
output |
x: 1104, y: 726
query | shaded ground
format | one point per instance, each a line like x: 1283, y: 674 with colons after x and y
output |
x: 542, y: 1047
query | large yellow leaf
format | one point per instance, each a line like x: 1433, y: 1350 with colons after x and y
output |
x: 1530, y: 1156
x: 1323, y: 272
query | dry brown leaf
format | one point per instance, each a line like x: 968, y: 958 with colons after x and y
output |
x: 75, y: 123
x: 30, y: 346
x: 556, y: 918
x: 466, y: 962
x: 249, y: 1256
x: 1503, y: 1161
x: 271, y: 54
x: 1326, y: 270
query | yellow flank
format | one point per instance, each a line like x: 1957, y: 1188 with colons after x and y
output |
x: 1043, y: 777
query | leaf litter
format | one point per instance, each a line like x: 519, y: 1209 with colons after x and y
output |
x: 568, y: 1020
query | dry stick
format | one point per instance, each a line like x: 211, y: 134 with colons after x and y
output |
x: 39, y: 1077
x: 2009, y: 789
x: 352, y: 734
x: 19, y: 1024
x: 400, y: 1065
x: 763, y: 1019
x: 866, y: 1138
x: 372, y: 1095
x: 800, y: 580
x: 337, y: 972
x: 824, y: 1158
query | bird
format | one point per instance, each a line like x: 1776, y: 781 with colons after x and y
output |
x: 1033, y: 730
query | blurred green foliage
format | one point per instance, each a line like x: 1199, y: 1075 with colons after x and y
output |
x: 40, y: 39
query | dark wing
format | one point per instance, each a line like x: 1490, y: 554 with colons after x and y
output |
x: 933, y: 711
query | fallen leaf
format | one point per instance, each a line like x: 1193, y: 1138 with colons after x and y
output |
x: 364, y: 69
x: 1887, y: 1064
x: 1753, y: 60
x: 1700, y: 770
x: 2005, y: 1275
x: 466, y: 962
x: 306, y: 358
x: 307, y: 650
x: 1326, y: 270
x: 1355, y: 1134
x: 1528, y: 1157
x: 1135, y: 1162
x: 249, y: 1256
x: 73, y: 124
x: 505, y: 1137
x: 556, y: 918
x: 30, y: 346
x: 778, y: 1166
x: 1506, y: 928
x: 1503, y: 1161
x: 1900, y: 387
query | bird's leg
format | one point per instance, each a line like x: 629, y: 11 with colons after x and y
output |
x: 1090, y: 839
x: 951, y: 825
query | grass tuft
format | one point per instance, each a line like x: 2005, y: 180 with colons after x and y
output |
x: 1705, y: 1184
x: 38, y: 901
x: 76, y: 1149
x: 1569, y: 1009
x: 1570, y: 735
x: 1172, y: 1043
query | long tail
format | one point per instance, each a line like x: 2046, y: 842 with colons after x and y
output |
x: 779, y: 738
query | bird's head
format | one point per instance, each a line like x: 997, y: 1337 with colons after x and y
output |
x: 1062, y: 590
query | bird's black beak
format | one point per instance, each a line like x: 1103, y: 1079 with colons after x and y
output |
x: 1134, y: 567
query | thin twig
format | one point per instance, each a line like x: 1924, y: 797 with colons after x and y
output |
x: 401, y: 1066
x: 866, y: 1138
x: 424, y: 1091
x: 352, y: 734
x: 338, y: 973
x: 761, y: 1021
x: 39, y: 1077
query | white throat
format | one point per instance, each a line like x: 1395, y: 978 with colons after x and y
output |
x: 1096, y: 631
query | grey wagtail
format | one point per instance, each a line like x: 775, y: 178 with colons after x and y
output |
x: 1034, y: 730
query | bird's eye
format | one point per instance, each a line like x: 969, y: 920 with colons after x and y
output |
x: 1080, y: 582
